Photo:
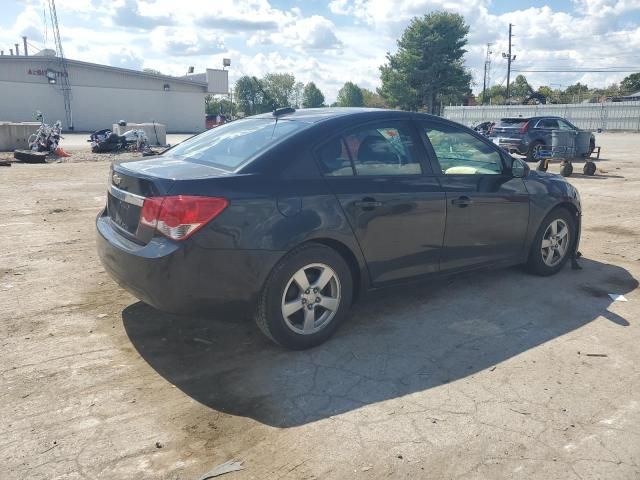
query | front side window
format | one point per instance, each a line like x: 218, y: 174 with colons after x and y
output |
x: 229, y: 146
x: 384, y: 149
x: 565, y: 125
x: 460, y: 153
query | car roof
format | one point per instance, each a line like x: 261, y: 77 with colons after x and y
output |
x: 539, y: 117
x: 315, y: 115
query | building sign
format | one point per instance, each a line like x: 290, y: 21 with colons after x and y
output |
x: 43, y: 72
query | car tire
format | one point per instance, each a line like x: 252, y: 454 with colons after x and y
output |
x: 567, y: 169
x: 531, y: 152
x: 29, y: 156
x: 315, y: 310
x: 589, y: 168
x: 539, y: 261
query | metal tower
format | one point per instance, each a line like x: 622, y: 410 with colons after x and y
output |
x: 63, y: 77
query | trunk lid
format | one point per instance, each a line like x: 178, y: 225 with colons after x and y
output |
x: 130, y: 182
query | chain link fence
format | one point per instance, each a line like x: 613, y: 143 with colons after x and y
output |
x: 615, y: 116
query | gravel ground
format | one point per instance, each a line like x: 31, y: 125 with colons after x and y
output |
x: 498, y: 375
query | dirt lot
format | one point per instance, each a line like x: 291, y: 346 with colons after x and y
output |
x: 499, y: 375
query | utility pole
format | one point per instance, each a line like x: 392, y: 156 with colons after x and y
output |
x: 510, y: 58
x: 487, y: 74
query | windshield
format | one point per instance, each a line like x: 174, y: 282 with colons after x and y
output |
x: 232, y: 144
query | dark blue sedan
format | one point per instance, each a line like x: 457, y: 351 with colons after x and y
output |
x: 295, y: 213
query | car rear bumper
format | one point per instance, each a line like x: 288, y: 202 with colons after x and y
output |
x: 511, y: 144
x: 182, y: 277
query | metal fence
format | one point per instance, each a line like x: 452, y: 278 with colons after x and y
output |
x: 587, y: 116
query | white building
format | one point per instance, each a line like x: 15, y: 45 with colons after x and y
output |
x: 103, y: 95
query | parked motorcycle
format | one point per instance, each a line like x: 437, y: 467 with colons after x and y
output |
x: 107, y: 141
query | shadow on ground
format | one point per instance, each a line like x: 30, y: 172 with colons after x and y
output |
x: 393, y: 344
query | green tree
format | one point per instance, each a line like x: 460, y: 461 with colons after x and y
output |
x: 298, y: 94
x: 373, y: 99
x: 350, y: 95
x: 546, y: 91
x: 630, y: 84
x: 575, y: 93
x: 312, y: 96
x: 496, y: 95
x: 215, y: 105
x: 280, y: 89
x: 520, y: 88
x: 396, y: 91
x: 248, y: 95
x: 428, y: 66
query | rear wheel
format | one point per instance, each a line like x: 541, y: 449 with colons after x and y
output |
x: 534, y: 150
x: 552, y: 246
x: 306, y: 297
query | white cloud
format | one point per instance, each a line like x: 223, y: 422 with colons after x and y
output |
x: 314, y: 33
x: 182, y: 42
x: 606, y: 7
x: 345, y: 42
x: 126, y: 58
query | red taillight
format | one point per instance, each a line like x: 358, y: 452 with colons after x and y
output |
x: 178, y: 217
x: 524, y: 128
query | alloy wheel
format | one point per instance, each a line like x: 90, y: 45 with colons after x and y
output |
x: 555, y: 242
x: 311, y: 298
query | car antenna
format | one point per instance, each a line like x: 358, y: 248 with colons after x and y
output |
x: 280, y: 111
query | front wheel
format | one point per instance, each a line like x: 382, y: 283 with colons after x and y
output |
x: 306, y: 297
x: 552, y: 246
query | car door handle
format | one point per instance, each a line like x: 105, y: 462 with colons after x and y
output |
x: 462, y: 202
x: 368, y: 204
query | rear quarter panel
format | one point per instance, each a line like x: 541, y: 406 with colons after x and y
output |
x: 283, y: 202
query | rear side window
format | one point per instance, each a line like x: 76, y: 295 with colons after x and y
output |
x: 383, y: 149
x: 513, y: 122
x: 548, y: 123
x: 232, y: 144
x: 334, y: 158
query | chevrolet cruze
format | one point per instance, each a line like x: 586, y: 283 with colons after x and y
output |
x: 293, y: 214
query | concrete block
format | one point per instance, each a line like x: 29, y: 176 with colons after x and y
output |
x: 156, y: 132
x: 16, y: 135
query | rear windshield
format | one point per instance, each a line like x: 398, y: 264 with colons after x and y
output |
x: 513, y: 122
x: 232, y: 144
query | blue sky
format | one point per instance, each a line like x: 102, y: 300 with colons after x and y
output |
x: 334, y: 41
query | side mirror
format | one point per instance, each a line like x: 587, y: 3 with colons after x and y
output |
x: 519, y: 169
